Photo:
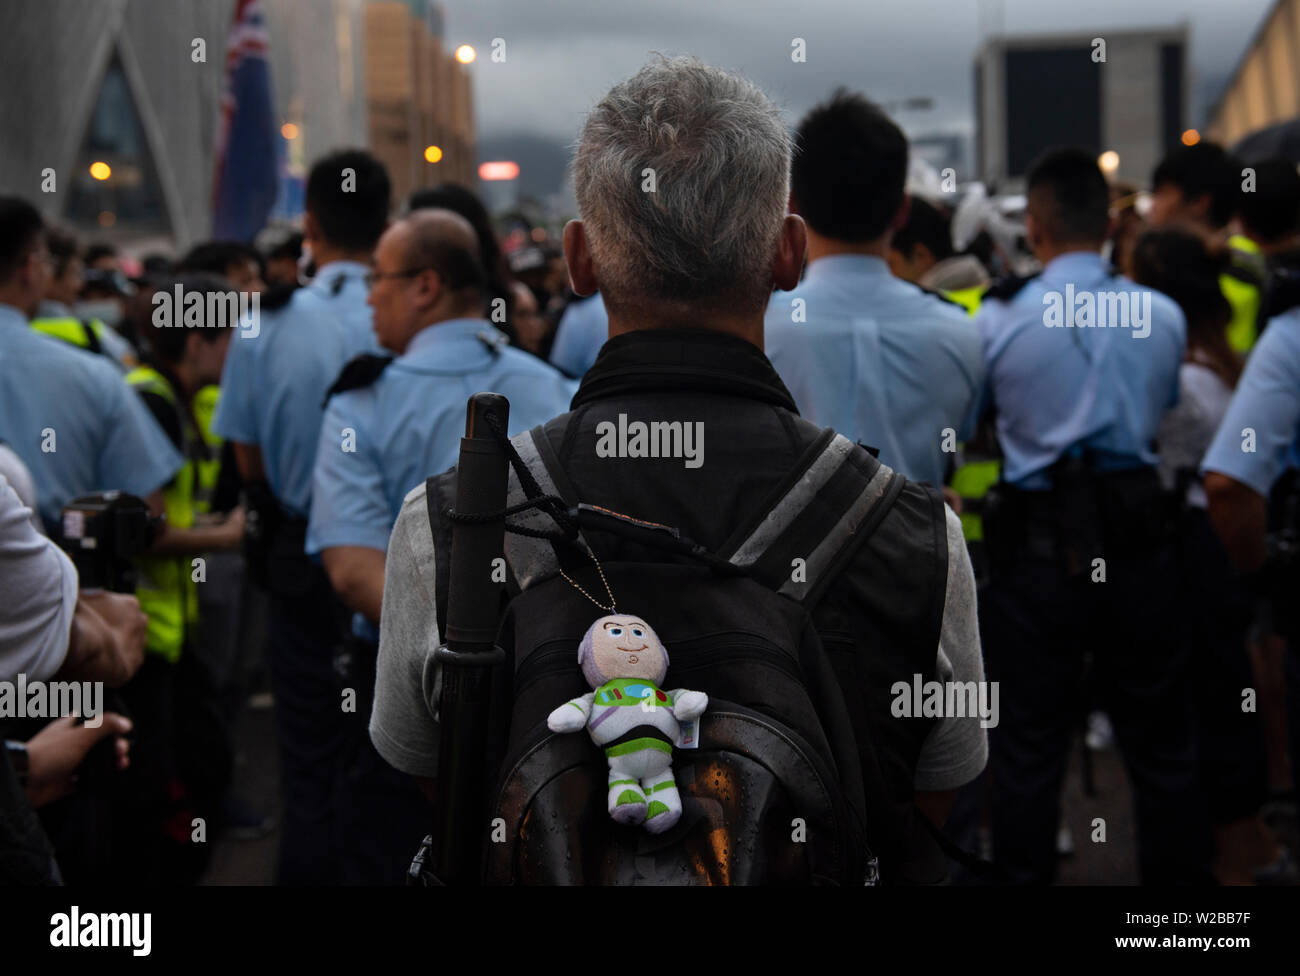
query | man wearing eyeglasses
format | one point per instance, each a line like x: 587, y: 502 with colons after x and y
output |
x: 389, y: 424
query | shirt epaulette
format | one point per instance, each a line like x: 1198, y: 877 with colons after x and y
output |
x: 360, y: 371
x: 1005, y: 289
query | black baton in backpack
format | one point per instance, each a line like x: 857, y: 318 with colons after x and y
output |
x: 470, y: 651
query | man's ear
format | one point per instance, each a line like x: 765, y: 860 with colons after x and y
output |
x: 792, y: 244
x: 577, y: 257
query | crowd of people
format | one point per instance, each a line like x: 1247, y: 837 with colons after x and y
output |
x: 1084, y: 522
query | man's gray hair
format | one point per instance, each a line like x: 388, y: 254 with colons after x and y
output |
x: 682, y: 175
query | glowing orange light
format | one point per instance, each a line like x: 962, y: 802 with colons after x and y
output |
x: 465, y: 54
x: 502, y: 170
x: 1191, y: 137
x: 289, y: 131
x: 432, y: 154
x: 100, y: 171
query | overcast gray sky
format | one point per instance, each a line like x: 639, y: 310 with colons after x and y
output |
x: 561, y: 55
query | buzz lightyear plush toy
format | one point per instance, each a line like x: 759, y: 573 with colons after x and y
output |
x: 632, y: 720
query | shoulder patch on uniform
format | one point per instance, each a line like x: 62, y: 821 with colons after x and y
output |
x: 361, y: 371
x: 1005, y: 289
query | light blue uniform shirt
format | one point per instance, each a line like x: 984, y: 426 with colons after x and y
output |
x: 342, y: 286
x: 1056, y: 388
x: 407, y: 425
x: 878, y: 359
x: 583, y: 329
x: 1267, y: 402
x: 272, y: 387
x: 73, y: 420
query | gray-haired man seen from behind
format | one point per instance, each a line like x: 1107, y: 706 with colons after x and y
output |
x: 682, y: 178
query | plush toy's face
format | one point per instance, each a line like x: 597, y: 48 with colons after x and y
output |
x: 622, y: 647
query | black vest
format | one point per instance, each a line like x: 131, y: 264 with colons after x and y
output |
x: 879, y: 619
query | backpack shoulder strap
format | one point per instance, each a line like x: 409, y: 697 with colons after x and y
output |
x: 832, y: 502
x: 530, y: 560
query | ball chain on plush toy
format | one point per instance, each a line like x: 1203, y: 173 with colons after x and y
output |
x: 628, y: 716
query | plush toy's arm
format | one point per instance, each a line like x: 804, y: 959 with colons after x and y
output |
x: 688, y: 704
x: 572, y: 715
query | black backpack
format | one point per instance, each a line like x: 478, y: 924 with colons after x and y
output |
x: 778, y: 788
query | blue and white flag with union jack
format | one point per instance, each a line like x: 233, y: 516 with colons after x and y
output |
x: 245, y: 179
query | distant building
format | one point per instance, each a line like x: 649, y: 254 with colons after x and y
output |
x: 1034, y: 93
x: 117, y: 82
x: 1265, y: 88
x: 417, y: 95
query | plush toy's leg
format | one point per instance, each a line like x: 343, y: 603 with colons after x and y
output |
x: 665, y: 807
x: 626, y: 801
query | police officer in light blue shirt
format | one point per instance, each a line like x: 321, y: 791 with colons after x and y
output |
x: 389, y: 425
x: 68, y: 414
x: 583, y: 329
x: 1253, y: 461
x: 1078, y: 358
x: 1258, y: 439
x: 272, y: 393
x: 1082, y: 364
x: 876, y: 358
x: 341, y: 284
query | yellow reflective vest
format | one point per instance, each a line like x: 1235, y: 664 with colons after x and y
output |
x: 166, y: 589
x: 1243, y: 292
x: 209, y: 468
x: 73, y: 331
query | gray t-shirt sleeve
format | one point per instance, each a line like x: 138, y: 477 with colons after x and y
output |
x: 402, y: 724
x: 956, y: 749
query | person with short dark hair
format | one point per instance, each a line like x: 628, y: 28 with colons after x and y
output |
x: 862, y: 351
x: 68, y: 415
x: 346, y: 207
x: 271, y: 406
x: 102, y: 256
x: 1270, y: 219
x: 1082, y: 365
x: 281, y: 262
x: 1200, y: 188
x: 238, y: 263
x: 186, y: 356
x: 55, y: 316
x: 921, y: 252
